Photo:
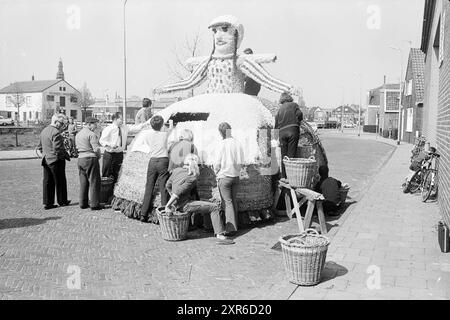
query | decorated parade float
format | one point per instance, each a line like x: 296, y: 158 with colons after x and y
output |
x: 224, y: 101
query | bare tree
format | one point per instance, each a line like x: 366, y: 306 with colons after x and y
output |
x: 190, y: 47
x: 17, y: 99
x: 85, y: 99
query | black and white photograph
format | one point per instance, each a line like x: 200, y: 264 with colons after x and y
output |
x: 243, y: 151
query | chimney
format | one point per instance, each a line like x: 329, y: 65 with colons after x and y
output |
x: 32, y: 77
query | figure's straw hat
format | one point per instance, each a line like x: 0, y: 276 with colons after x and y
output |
x: 232, y: 21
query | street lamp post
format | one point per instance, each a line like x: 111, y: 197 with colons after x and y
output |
x: 342, y: 109
x: 124, y: 66
x: 400, y: 94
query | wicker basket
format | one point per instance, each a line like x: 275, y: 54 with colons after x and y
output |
x: 174, y: 227
x: 343, y: 192
x: 304, y: 257
x: 300, y: 172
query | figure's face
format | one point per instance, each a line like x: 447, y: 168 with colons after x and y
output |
x: 224, y: 39
x: 119, y: 121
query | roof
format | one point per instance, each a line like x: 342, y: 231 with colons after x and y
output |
x: 347, y: 109
x: 29, y: 86
x: 374, y: 94
x: 417, y: 58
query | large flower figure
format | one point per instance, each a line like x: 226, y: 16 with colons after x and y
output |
x: 225, y: 69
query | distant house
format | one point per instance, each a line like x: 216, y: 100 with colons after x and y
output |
x: 346, y: 114
x: 317, y: 114
x: 383, y: 107
x: 103, y: 109
x: 412, y: 99
x: 39, y: 99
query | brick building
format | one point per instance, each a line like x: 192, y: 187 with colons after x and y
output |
x: 383, y: 107
x: 412, y: 99
x: 436, y: 46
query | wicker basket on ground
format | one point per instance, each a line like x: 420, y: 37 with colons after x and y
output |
x: 304, y: 257
x: 300, y: 172
x: 174, y: 227
x: 343, y: 192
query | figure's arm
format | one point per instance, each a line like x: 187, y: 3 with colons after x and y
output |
x: 134, y: 128
x: 196, y: 77
x: 255, y: 71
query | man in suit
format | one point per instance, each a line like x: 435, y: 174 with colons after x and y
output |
x: 54, y: 163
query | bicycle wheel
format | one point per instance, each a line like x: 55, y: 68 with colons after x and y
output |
x: 426, y: 186
x: 416, y: 180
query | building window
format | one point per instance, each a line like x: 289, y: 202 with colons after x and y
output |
x: 30, y: 116
x: 36, y: 115
x: 409, y: 88
x: 62, y: 101
x: 50, y: 98
x: 64, y: 88
x: 409, y: 119
x: 28, y: 101
x: 73, y: 113
x: 391, y: 101
x: 8, y: 114
x: 24, y: 116
x: 73, y: 99
x: 441, y: 39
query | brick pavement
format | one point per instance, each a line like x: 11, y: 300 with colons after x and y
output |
x: 123, y: 258
x: 388, y: 231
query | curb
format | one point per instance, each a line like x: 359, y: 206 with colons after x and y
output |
x: 22, y: 158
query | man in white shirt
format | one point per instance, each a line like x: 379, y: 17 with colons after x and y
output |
x: 114, y: 139
x: 227, y: 167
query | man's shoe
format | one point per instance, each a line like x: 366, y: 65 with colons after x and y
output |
x: 97, y: 208
x: 51, y: 206
x: 143, y: 219
x: 84, y: 207
x: 66, y: 203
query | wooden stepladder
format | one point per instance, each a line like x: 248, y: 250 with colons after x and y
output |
x: 299, y: 197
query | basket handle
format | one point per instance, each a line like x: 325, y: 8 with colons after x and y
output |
x: 311, y: 231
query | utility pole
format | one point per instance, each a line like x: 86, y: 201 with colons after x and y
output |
x: 124, y: 66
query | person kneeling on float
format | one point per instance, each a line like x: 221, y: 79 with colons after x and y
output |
x: 329, y: 188
x: 182, y: 187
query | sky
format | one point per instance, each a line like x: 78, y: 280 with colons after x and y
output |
x: 329, y: 48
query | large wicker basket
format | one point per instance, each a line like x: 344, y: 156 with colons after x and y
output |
x: 343, y: 192
x: 300, y: 172
x: 304, y: 257
x: 174, y: 227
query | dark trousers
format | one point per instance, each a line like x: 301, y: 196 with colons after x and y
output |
x: 157, y: 170
x: 90, y: 181
x: 228, y: 190
x: 112, y: 161
x: 54, y: 177
x: 288, y: 144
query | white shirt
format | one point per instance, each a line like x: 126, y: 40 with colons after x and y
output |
x: 110, y: 136
x: 229, y: 159
x: 152, y: 142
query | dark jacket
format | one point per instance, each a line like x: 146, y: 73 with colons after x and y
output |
x: 329, y: 188
x: 51, y: 145
x: 289, y: 115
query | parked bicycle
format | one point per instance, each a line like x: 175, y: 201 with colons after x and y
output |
x: 424, y: 177
x: 429, y: 184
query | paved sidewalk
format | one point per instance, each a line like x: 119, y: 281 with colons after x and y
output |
x: 17, y: 154
x: 387, y: 248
